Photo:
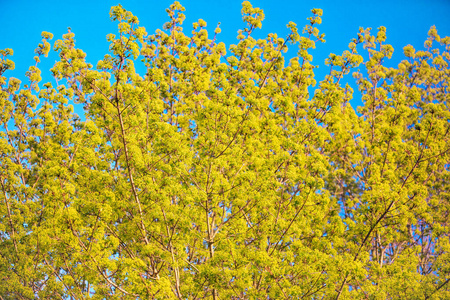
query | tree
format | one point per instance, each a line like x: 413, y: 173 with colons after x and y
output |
x: 222, y: 172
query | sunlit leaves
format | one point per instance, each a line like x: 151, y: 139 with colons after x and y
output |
x: 225, y: 171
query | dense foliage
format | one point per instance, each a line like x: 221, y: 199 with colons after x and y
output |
x: 226, y: 172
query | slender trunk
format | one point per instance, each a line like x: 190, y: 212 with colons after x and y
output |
x: 130, y: 175
x: 210, y: 228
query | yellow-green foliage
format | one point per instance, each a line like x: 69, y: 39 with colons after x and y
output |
x: 225, y: 172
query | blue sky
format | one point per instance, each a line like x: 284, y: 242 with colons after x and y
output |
x: 407, y: 22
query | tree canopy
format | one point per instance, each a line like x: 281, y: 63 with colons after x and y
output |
x: 226, y: 172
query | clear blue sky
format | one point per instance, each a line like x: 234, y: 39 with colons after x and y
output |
x: 407, y: 22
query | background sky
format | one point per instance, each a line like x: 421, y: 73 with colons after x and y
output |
x: 407, y: 22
